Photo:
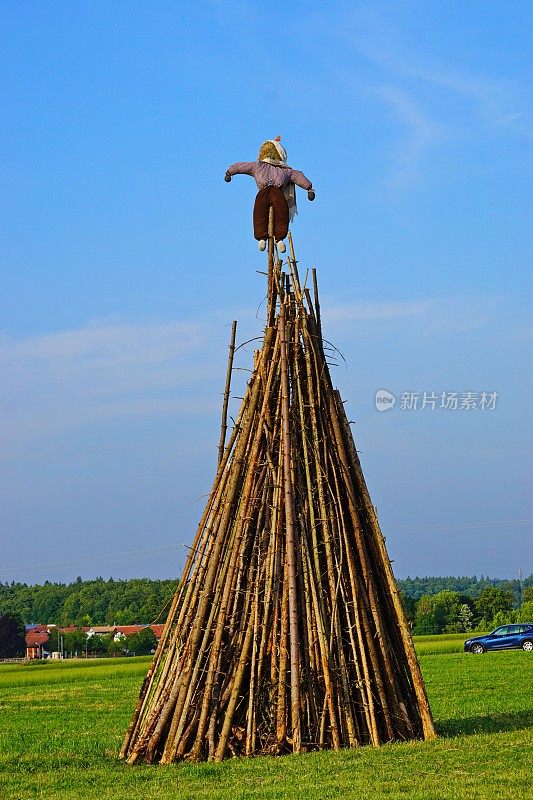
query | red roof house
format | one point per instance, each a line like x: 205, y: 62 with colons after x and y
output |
x: 128, y: 630
x: 36, y: 641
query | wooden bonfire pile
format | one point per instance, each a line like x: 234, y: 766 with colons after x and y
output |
x: 287, y: 632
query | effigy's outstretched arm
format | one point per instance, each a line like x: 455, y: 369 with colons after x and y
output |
x: 240, y: 168
x: 301, y: 180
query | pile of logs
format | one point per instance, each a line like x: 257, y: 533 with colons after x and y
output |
x: 287, y: 632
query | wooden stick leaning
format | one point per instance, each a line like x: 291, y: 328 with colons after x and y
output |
x: 224, y: 423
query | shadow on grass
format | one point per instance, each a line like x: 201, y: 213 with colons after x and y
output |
x: 491, y: 723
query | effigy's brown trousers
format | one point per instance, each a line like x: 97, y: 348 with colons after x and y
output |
x: 271, y: 196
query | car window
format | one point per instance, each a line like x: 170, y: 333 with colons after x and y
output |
x: 501, y: 631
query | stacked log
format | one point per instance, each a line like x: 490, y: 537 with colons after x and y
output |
x: 287, y: 632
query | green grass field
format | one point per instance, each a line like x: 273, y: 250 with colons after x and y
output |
x: 61, y: 725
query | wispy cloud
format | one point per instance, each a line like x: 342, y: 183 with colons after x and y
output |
x: 105, y: 342
x: 421, y: 134
x: 429, y: 314
x: 106, y: 369
x: 492, y: 98
x: 498, y: 101
x: 435, y: 100
x: 377, y: 311
x: 116, y: 371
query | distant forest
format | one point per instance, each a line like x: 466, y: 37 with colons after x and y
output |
x: 141, y: 600
x: 97, y: 602
x: 470, y: 587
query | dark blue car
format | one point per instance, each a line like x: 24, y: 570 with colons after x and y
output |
x: 506, y: 637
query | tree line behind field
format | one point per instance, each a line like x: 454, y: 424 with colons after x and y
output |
x: 96, y: 602
x: 433, y: 604
x: 449, y: 611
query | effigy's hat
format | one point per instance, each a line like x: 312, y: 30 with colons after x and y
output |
x: 273, y: 149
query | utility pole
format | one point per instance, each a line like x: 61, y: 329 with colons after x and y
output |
x: 521, y: 579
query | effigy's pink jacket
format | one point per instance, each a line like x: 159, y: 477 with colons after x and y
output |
x: 270, y: 174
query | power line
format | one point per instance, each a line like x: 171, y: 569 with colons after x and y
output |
x: 110, y: 557
x: 150, y: 552
x: 468, y: 524
x: 450, y: 526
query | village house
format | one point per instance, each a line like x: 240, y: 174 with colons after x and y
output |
x: 36, y: 641
x: 37, y: 636
x: 99, y: 630
x: 129, y: 630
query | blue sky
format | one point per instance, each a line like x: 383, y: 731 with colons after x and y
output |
x: 125, y: 256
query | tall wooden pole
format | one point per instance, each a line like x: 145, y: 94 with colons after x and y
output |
x: 290, y: 538
x: 271, y: 301
x: 224, y: 423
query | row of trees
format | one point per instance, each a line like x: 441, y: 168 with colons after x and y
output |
x: 471, y: 586
x: 444, y: 612
x: 141, y: 600
x: 96, y: 602
x: 453, y: 612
